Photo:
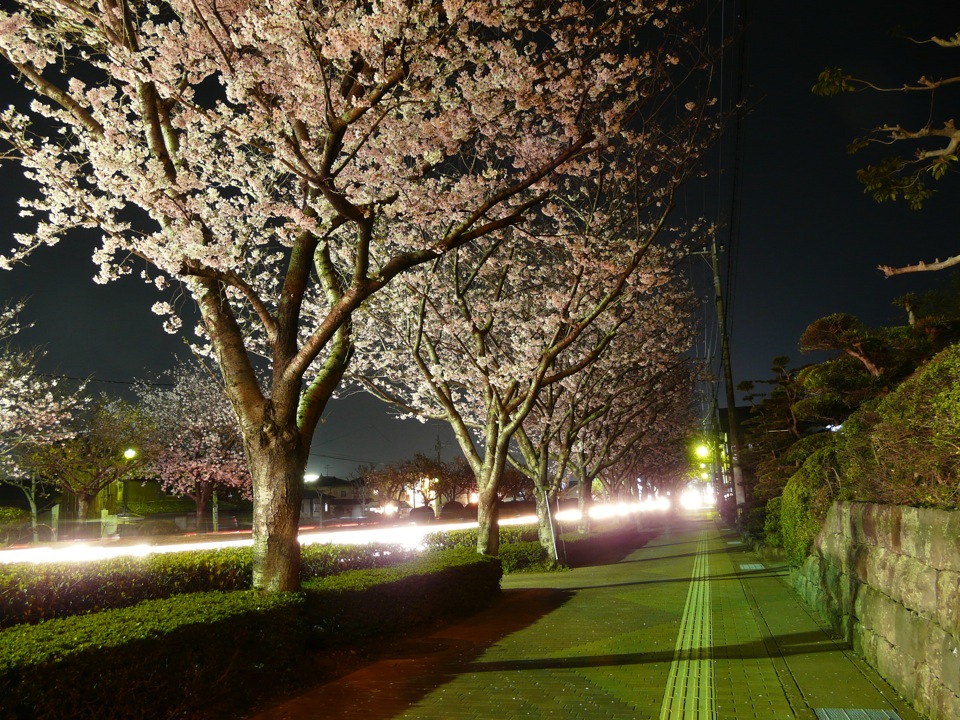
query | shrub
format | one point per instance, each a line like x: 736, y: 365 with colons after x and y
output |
x: 31, y: 593
x: 804, y: 503
x: 368, y: 602
x: 524, y: 556
x: 467, y: 538
x: 772, y: 528
x: 13, y: 524
x: 915, y: 437
x: 156, y: 660
x: 208, y: 652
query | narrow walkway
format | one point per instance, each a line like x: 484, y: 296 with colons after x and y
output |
x: 689, y: 627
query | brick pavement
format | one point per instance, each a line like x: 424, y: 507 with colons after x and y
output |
x: 689, y: 627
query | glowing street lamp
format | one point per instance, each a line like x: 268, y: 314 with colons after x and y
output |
x: 310, y: 479
x: 129, y: 455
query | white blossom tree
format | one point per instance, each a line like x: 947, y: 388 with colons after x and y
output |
x: 33, y: 406
x: 591, y: 419
x: 35, y: 409
x: 490, y: 327
x: 199, y: 449
x: 284, y: 161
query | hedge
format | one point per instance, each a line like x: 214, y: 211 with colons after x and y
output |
x: 159, y: 659
x: 202, y: 652
x: 31, y: 593
x: 803, y: 504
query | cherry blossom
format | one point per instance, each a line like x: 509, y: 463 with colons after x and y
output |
x: 282, y: 162
x: 199, y: 448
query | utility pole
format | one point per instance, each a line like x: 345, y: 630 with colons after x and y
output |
x: 733, y: 430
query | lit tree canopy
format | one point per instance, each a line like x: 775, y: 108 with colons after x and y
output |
x: 34, y: 408
x: 199, y: 448
x: 285, y: 160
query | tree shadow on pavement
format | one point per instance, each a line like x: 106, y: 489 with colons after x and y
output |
x: 382, y: 679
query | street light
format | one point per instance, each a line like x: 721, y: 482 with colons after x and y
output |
x: 128, y: 454
x: 309, y: 479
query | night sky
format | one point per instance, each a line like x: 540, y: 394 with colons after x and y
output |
x: 804, y: 242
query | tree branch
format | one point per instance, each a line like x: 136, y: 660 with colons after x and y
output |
x: 921, y: 266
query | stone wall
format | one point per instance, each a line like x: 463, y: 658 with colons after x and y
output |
x: 888, y: 579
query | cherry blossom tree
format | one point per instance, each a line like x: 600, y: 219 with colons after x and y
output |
x: 95, y: 456
x: 489, y: 327
x: 35, y: 409
x: 281, y: 162
x: 589, y: 421
x: 643, y: 429
x: 199, y: 447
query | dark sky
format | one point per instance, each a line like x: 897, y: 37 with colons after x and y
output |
x: 805, y: 242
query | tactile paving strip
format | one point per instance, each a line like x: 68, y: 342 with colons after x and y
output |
x: 689, y: 693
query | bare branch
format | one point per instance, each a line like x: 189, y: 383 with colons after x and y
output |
x: 921, y: 266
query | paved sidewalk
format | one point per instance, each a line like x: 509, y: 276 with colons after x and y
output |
x: 691, y: 626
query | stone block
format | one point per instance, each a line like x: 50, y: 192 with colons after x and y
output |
x: 944, y: 704
x: 943, y: 659
x: 898, y: 668
x: 948, y: 601
x: 865, y: 643
x: 876, y: 611
x: 878, y: 569
x: 911, y: 632
x: 944, y: 538
x: 846, y: 522
x: 888, y: 520
x: 831, y: 523
x: 832, y: 546
x: 868, y: 521
x: 860, y: 562
x: 922, y: 697
x: 915, y: 585
x: 861, y: 523
x: 915, y: 539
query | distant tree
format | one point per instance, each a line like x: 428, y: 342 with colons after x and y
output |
x: 844, y: 333
x: 386, y: 483
x: 35, y: 410
x: 199, y: 449
x: 904, y: 176
x: 282, y: 162
x: 95, y: 455
x: 456, y: 480
x: 772, y: 429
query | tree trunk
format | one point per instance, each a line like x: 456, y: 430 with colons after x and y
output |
x: 488, y: 525
x: 83, y: 507
x: 200, y: 501
x: 277, y: 472
x: 584, y: 503
x: 546, y: 527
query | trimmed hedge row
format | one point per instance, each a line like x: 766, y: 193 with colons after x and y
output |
x: 467, y: 538
x: 519, y: 546
x: 520, y: 549
x: 181, y: 656
x: 157, y: 659
x: 31, y: 593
